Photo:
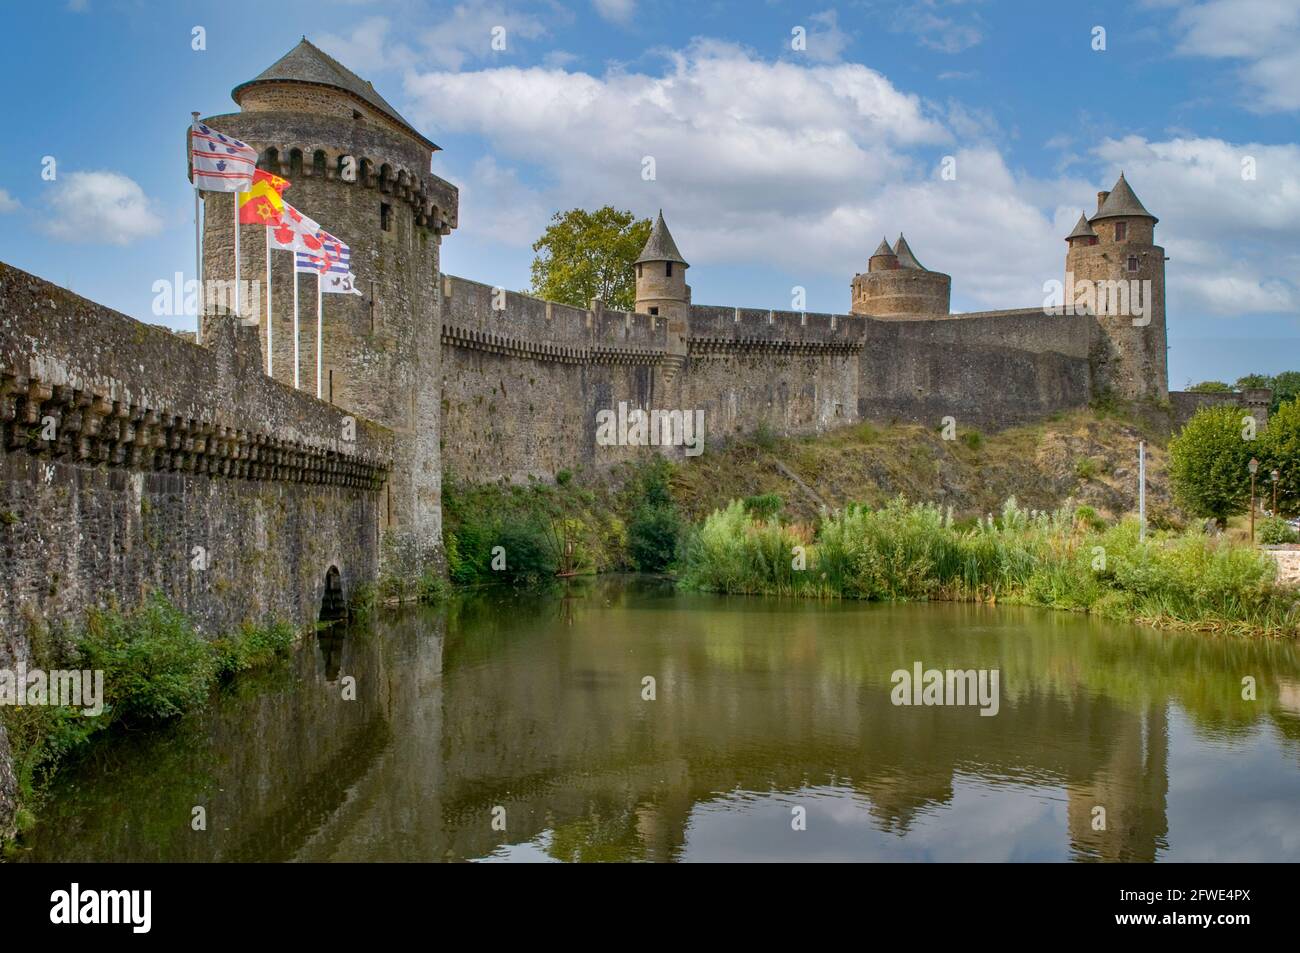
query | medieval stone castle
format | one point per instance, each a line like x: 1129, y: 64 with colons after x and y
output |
x: 135, y: 460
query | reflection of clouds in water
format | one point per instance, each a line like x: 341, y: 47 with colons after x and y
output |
x: 1229, y: 802
x: 1011, y: 823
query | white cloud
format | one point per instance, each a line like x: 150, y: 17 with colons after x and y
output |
x: 466, y: 35
x: 802, y: 167
x: 826, y: 42
x: 947, y: 34
x: 100, y: 208
x: 8, y: 203
x: 616, y: 11
x: 463, y: 36
x: 367, y: 49
x: 1265, y: 34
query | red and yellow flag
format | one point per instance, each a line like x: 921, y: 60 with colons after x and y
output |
x: 262, y: 204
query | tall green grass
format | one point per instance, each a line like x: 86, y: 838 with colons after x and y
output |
x: 1067, y: 559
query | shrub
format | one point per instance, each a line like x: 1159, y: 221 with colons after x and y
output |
x: 155, y: 665
x: 1086, y: 468
x: 1274, y: 531
x: 764, y: 506
x: 253, y: 647
x: 972, y: 439
x: 654, y: 530
x: 563, y: 477
x: 528, y: 555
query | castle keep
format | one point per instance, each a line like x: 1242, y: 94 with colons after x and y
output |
x: 161, y: 447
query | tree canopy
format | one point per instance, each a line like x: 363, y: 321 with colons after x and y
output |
x: 585, y: 255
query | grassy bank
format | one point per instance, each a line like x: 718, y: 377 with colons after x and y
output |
x: 155, y: 666
x: 1065, y: 559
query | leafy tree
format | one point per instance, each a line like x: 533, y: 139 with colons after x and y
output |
x: 1286, y: 386
x: 1208, y: 464
x: 585, y: 255
x: 1281, y: 451
x: 1211, y: 387
x: 655, y: 525
x: 1253, y: 380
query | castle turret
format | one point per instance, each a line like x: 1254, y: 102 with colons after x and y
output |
x: 896, y: 284
x: 362, y: 171
x: 661, y: 287
x: 1114, y: 264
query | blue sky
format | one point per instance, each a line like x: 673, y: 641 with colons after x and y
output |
x: 775, y: 167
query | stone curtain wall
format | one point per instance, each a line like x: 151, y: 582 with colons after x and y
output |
x: 522, y: 385
x: 161, y: 446
x: 790, y: 371
x: 989, y: 370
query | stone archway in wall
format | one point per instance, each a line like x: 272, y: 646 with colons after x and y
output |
x: 333, y: 606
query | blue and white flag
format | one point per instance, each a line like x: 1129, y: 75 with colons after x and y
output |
x: 221, y: 163
x: 332, y: 265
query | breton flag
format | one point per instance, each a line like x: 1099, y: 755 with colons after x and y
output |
x: 262, y: 204
x: 296, y: 232
x: 332, y: 265
x: 221, y: 164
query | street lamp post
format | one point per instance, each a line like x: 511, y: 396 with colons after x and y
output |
x: 1253, y: 466
x: 1275, y: 476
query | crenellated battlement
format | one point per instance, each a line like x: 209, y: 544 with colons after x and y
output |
x: 477, y: 316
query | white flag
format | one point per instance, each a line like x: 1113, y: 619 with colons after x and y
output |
x: 221, y: 164
x: 296, y: 232
x: 331, y: 264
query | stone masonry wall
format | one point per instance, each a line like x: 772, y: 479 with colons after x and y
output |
x: 989, y: 370
x: 522, y: 384
x: 160, y: 446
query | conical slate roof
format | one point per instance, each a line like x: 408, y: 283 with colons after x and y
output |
x: 1122, y: 203
x: 307, y: 63
x: 883, y: 249
x: 905, y: 257
x: 660, y: 245
x: 1082, y: 229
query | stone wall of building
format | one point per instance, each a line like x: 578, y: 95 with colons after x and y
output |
x: 523, y: 380
x: 989, y: 370
x: 135, y: 461
x: 368, y: 185
x: 1253, y: 401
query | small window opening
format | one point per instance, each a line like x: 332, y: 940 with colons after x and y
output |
x: 638, y: 270
x: 654, y: 311
x: 386, y: 216
x: 670, y: 269
x: 1132, y: 263
x: 1121, y: 231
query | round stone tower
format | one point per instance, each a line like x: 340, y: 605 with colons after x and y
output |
x: 897, y: 285
x: 1114, y: 265
x: 661, y: 287
x: 362, y: 171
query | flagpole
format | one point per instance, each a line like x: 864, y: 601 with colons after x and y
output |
x: 296, y: 360
x: 235, y: 196
x: 198, y: 234
x: 270, y: 365
x: 319, y: 325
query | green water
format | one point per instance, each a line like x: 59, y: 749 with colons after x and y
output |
x: 769, y: 716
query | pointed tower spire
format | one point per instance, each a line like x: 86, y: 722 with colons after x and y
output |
x: 1081, y: 229
x: 1122, y: 202
x: 905, y: 257
x: 883, y: 248
x: 660, y: 245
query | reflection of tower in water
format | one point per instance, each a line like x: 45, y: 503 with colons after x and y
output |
x: 1132, y: 784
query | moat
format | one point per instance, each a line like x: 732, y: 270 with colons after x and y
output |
x: 529, y: 710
